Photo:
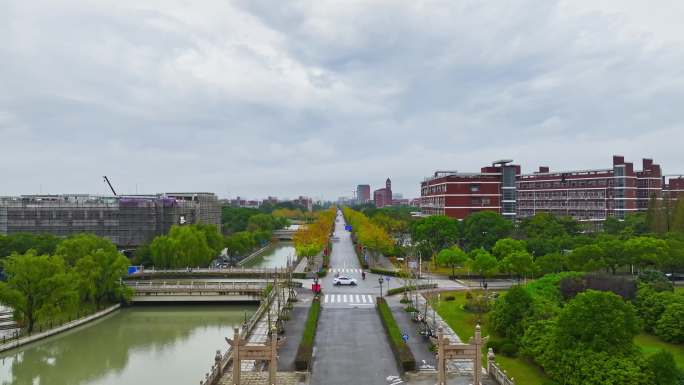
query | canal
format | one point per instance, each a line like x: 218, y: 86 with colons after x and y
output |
x: 274, y: 256
x: 170, y: 345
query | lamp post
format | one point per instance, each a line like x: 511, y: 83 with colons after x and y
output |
x: 380, y: 283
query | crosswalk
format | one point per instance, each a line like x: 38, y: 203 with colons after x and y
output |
x: 345, y: 270
x: 349, y: 299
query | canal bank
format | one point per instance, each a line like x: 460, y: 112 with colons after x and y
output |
x: 136, y: 345
x: 276, y: 255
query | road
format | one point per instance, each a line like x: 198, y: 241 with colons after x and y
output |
x: 351, y: 345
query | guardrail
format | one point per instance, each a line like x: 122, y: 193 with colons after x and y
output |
x: 221, y: 361
x: 495, y: 372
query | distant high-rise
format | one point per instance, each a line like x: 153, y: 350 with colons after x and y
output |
x: 363, y: 193
x: 383, y: 196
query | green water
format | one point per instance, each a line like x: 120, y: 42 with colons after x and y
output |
x: 275, y: 256
x: 170, y: 345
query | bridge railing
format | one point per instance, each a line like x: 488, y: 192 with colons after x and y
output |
x: 223, y: 360
x: 143, y: 286
x: 495, y: 372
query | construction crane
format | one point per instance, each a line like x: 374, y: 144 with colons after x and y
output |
x: 110, y: 185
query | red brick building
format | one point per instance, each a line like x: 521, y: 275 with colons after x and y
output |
x: 383, y: 197
x: 363, y: 193
x: 586, y: 195
x: 458, y: 194
x: 674, y: 187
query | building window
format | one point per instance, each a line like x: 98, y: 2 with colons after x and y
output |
x: 474, y: 188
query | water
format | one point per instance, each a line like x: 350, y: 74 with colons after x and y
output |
x: 275, y: 256
x: 170, y: 345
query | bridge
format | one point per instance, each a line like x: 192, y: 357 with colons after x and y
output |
x: 189, y: 291
x: 208, y: 273
x: 284, y: 234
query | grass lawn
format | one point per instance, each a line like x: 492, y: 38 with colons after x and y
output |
x: 679, y: 290
x: 463, y: 323
x: 650, y: 344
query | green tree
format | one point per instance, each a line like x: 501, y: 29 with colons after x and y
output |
x: 191, y: 247
x: 646, y: 251
x: 663, y: 369
x: 213, y: 237
x: 656, y: 216
x: 613, y: 253
x: 38, y: 288
x: 651, y: 305
x: 239, y: 243
x: 551, y: 263
x: 437, y: 232
x: 483, y: 263
x: 510, y: 311
x: 670, y: 326
x: 484, y: 228
x: 99, y: 276
x: 599, y: 321
x: 164, y: 252
x: 587, y: 258
x: 452, y: 257
x: 20, y: 243
x: 78, y: 246
x: 519, y: 263
x: 678, y: 217
x: 506, y: 247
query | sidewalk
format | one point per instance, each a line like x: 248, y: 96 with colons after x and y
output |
x: 294, y: 328
x: 419, y: 345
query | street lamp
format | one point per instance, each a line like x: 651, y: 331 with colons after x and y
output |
x: 380, y: 283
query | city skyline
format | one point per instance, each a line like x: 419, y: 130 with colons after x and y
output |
x: 242, y: 100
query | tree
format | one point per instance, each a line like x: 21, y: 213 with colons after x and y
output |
x: 551, y: 263
x: 613, y: 226
x: 213, y: 237
x: 670, y: 326
x: 453, y: 257
x: 506, y: 247
x: 663, y: 368
x: 613, y: 253
x: 483, y: 264
x: 598, y: 321
x: 678, y: 217
x: 651, y: 305
x: 437, y: 232
x: 519, y: 263
x: 484, y: 228
x: 510, y: 311
x: 20, y: 243
x: 542, y: 225
x: 238, y: 244
x: 38, y: 288
x: 646, y: 251
x: 99, y: 276
x: 656, y: 216
x: 587, y: 258
x: 163, y: 251
x: 78, y: 246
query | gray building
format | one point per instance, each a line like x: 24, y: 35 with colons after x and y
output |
x: 128, y: 221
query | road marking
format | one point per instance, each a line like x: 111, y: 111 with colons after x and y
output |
x: 345, y: 297
x: 363, y: 298
x: 356, y: 298
x: 339, y: 298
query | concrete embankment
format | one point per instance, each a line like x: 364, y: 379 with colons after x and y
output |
x: 67, y: 326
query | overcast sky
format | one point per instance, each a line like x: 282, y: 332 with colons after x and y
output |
x: 257, y: 98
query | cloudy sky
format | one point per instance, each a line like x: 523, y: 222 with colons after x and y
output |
x: 257, y: 98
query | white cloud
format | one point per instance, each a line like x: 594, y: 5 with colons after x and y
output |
x: 260, y: 98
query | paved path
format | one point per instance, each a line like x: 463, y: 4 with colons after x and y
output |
x: 294, y: 328
x: 351, y: 346
x: 419, y: 345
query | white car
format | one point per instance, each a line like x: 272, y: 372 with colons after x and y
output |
x: 342, y: 280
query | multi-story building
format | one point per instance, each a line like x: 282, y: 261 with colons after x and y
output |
x: 383, y: 197
x: 363, y: 193
x: 128, y: 221
x: 586, y: 195
x: 458, y: 194
x: 674, y: 187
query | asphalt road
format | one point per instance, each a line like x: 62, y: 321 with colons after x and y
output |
x: 351, y: 346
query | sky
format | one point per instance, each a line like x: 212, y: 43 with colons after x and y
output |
x: 254, y: 98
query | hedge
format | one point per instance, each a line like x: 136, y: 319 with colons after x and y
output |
x: 305, y: 350
x: 393, y: 273
x: 407, y: 288
x: 401, y: 351
x: 360, y: 257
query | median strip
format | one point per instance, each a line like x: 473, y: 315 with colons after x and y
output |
x: 401, y: 351
x: 305, y: 350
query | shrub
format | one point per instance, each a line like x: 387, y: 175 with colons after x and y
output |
x: 305, y: 350
x: 478, y: 303
x: 508, y: 348
x: 407, y: 288
x: 450, y: 297
x: 670, y: 326
x: 391, y: 273
x: 401, y: 351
